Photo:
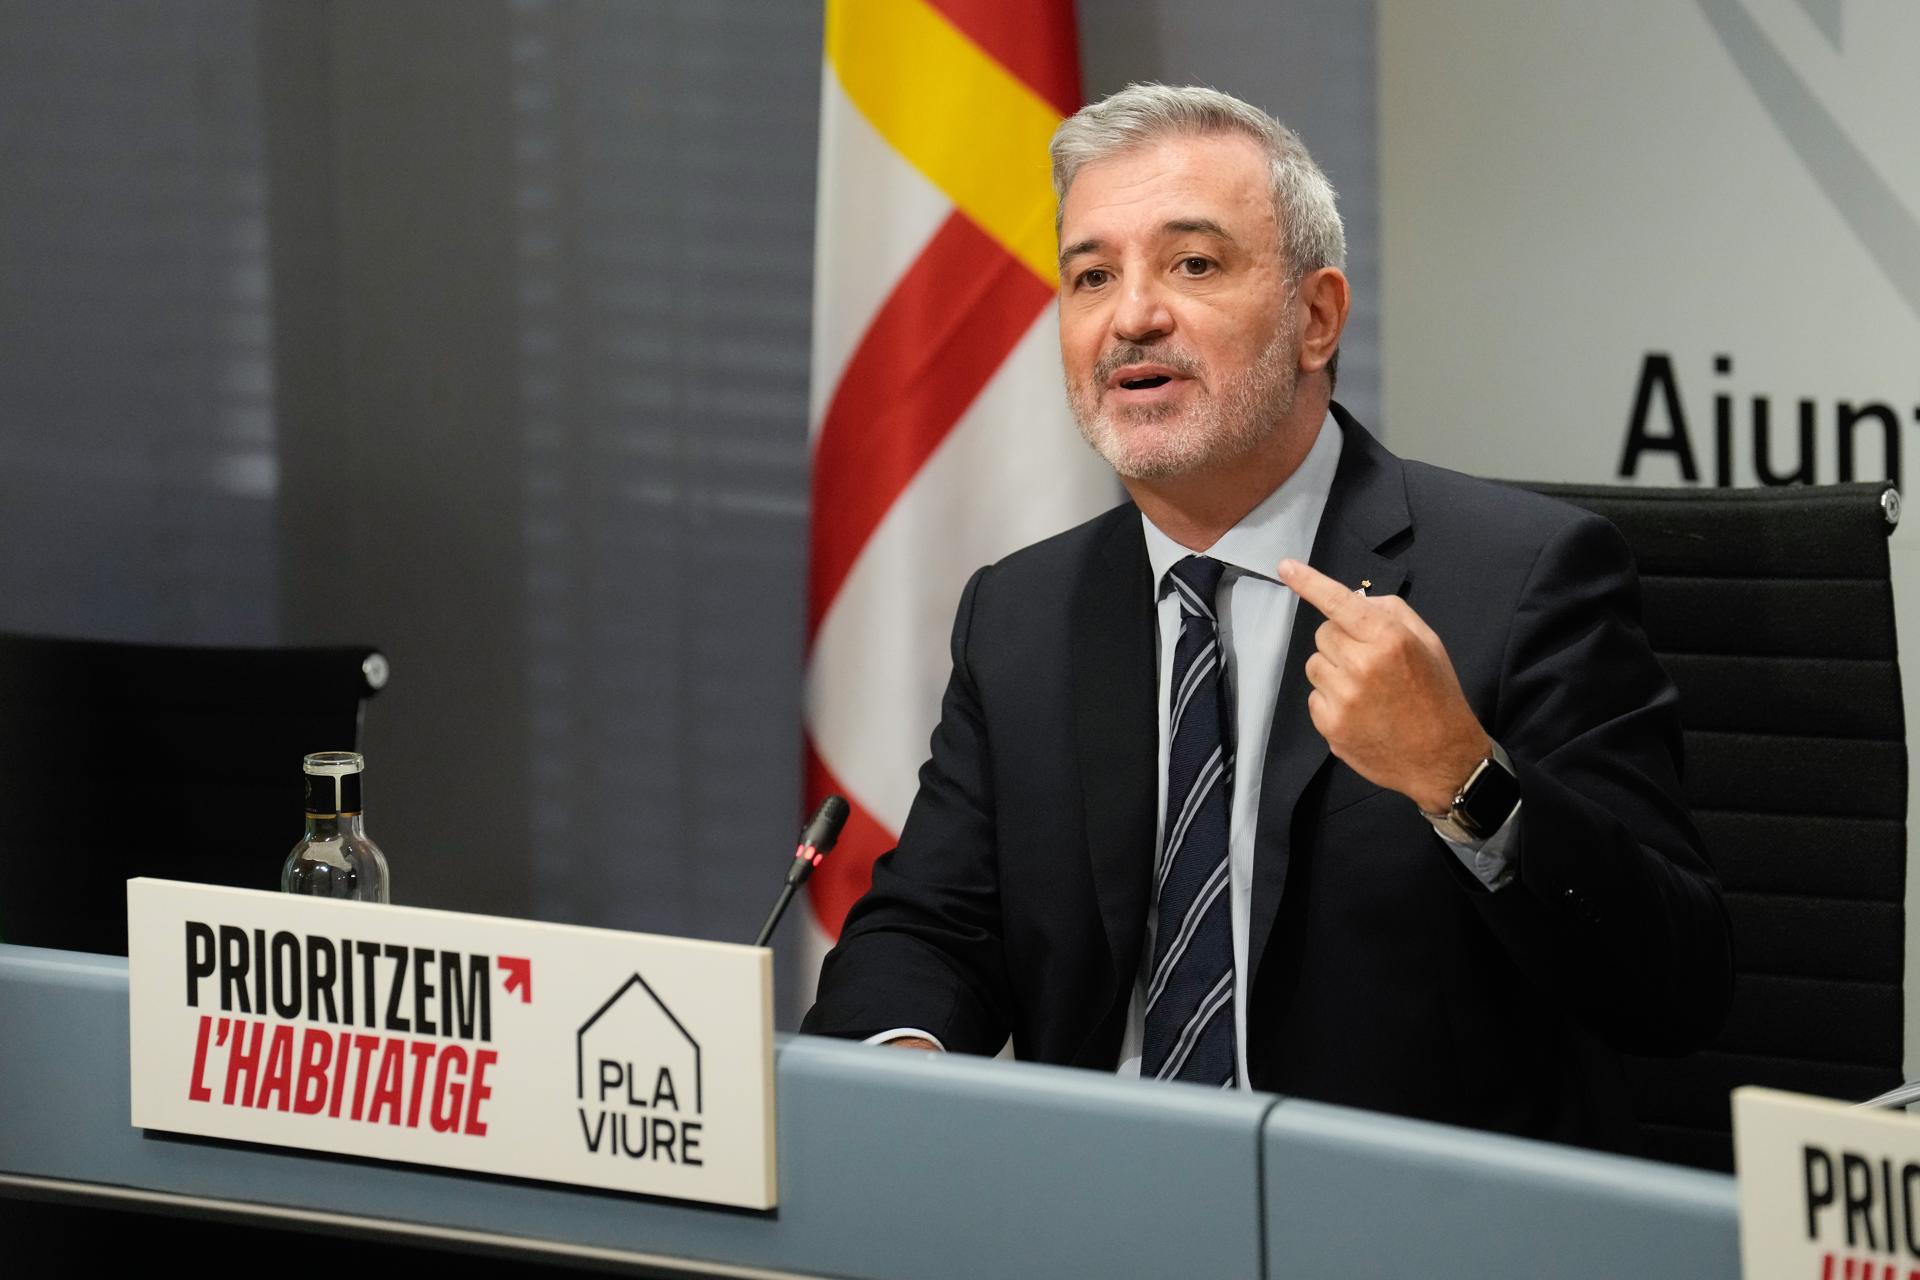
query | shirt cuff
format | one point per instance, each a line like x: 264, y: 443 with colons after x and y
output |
x: 1488, y: 860
x: 902, y: 1033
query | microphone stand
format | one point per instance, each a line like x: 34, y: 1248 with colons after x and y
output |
x: 817, y: 839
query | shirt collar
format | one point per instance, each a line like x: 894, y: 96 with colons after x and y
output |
x: 1282, y: 525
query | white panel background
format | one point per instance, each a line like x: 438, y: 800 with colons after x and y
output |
x: 1565, y: 188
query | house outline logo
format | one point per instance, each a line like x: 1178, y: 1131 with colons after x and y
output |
x: 626, y: 989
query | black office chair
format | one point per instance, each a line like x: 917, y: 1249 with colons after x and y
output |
x: 121, y: 760
x: 1773, y: 611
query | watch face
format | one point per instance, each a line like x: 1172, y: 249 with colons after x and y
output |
x: 1487, y: 801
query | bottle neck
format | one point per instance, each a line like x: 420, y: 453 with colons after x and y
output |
x: 332, y: 826
x: 330, y: 794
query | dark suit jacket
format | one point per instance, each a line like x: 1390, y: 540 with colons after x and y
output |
x: 1384, y: 975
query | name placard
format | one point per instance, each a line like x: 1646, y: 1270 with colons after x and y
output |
x: 588, y: 1056
x: 1826, y: 1192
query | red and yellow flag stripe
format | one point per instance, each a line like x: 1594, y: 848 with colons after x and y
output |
x: 966, y: 92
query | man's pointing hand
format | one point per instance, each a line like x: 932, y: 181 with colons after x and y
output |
x: 1385, y: 696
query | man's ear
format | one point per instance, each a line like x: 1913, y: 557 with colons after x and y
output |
x: 1322, y: 298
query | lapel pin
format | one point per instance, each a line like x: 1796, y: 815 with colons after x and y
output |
x: 1362, y: 588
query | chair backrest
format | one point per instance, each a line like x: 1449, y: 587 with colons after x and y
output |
x: 1773, y: 612
x: 120, y: 760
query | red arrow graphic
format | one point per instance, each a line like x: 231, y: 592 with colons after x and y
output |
x: 519, y: 971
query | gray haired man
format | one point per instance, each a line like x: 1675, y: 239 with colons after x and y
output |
x: 1309, y: 768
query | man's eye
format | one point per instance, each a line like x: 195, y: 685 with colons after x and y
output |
x: 1092, y: 279
x: 1195, y: 266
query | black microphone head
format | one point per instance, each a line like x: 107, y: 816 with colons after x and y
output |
x: 823, y: 829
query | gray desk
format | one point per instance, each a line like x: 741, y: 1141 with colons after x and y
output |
x: 896, y: 1164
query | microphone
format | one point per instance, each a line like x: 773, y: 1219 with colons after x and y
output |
x: 816, y: 842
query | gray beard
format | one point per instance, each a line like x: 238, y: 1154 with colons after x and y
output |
x: 1219, y: 429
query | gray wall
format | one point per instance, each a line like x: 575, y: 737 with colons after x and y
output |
x: 402, y: 503
x: 138, y: 448
x: 551, y: 350
x: 477, y: 329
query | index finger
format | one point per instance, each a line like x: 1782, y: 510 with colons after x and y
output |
x: 1316, y: 588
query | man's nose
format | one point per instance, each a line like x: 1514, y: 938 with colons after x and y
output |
x: 1142, y: 314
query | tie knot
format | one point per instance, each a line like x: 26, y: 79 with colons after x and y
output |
x: 1197, y: 578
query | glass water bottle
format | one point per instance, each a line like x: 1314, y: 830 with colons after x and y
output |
x: 335, y: 859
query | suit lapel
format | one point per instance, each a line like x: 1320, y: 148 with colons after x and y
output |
x: 1366, y: 509
x: 1114, y: 685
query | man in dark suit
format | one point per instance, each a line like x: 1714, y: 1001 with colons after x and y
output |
x: 1401, y: 829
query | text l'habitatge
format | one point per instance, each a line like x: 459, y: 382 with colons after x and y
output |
x: 381, y: 1034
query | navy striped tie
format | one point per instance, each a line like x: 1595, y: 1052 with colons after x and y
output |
x: 1189, y: 1022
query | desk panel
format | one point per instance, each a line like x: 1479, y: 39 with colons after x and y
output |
x: 891, y: 1163
x: 899, y: 1164
x: 1355, y: 1194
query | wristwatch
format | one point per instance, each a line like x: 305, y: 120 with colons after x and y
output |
x: 1483, y: 803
